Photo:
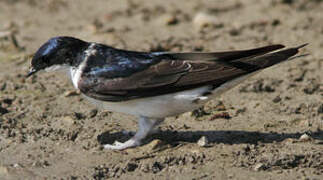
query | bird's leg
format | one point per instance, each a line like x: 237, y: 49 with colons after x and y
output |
x: 153, y: 131
x: 145, y: 127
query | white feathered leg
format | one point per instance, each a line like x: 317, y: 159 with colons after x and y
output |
x: 145, y: 127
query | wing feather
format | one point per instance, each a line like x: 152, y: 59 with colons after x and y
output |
x: 173, y: 72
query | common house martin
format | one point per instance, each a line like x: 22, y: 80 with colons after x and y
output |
x: 152, y: 85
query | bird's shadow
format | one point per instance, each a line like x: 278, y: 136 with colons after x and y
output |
x: 225, y: 137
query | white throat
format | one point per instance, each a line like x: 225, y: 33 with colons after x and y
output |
x: 77, y: 72
x: 62, y: 67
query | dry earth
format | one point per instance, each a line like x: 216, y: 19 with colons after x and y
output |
x: 269, y: 127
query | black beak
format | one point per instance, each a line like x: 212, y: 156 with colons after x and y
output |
x: 31, y: 72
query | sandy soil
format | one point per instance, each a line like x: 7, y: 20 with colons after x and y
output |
x: 269, y: 127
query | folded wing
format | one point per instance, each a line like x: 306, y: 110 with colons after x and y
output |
x: 173, y: 72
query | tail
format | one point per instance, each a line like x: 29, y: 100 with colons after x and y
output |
x: 247, y: 60
x: 277, y: 57
x: 222, y: 56
x: 252, y: 66
x: 263, y: 61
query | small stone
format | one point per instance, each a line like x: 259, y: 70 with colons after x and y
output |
x: 241, y: 110
x: 277, y: 99
x: 224, y: 115
x: 131, y: 166
x: 203, y: 141
x: 71, y: 93
x: 276, y: 22
x: 155, y: 144
x: 234, y: 32
x: 79, y: 116
x: 93, y: 113
x: 7, y: 101
x: 305, y: 138
x: 199, y: 112
x: 169, y: 19
x: 289, y: 141
x: 220, y: 107
x: 16, y: 165
x: 259, y: 166
x: 203, y: 19
x: 311, y: 88
x: 3, y: 111
x: 68, y: 120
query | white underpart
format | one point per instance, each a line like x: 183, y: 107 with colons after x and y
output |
x: 76, y: 73
x: 158, y: 106
x: 169, y: 104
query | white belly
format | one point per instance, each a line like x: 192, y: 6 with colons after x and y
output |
x: 159, y: 106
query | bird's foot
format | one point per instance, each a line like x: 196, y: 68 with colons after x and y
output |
x: 121, y: 146
x: 146, y: 127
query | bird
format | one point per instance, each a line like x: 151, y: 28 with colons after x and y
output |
x: 152, y: 85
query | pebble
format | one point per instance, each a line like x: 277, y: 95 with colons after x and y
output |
x: 259, y: 166
x: 289, y: 141
x: 71, y: 93
x: 234, y: 32
x: 93, y: 113
x: 305, y: 138
x: 131, y: 166
x: 68, y: 120
x: 199, y: 113
x: 3, y: 110
x: 203, y: 141
x: 311, y: 88
x: 203, y: 19
x: 79, y: 115
x: 224, y: 115
x: 155, y: 144
x: 168, y: 19
x: 277, y: 99
x: 241, y: 110
x: 220, y: 107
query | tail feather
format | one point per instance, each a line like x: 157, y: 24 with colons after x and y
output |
x: 271, y: 59
x: 222, y: 56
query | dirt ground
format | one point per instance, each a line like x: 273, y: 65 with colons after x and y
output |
x: 269, y: 127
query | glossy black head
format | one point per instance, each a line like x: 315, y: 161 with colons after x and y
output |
x: 57, y: 51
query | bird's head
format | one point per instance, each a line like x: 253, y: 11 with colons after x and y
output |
x: 56, y: 52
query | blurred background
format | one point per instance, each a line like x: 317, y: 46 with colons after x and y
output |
x: 268, y: 127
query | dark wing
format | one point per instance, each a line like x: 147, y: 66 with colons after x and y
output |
x: 173, y: 72
x: 223, y: 56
